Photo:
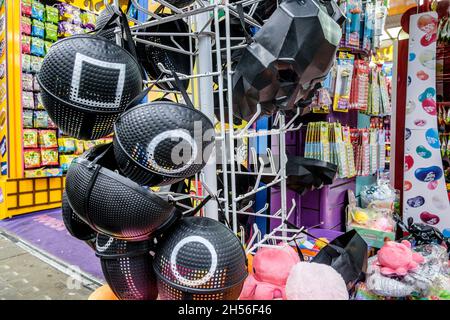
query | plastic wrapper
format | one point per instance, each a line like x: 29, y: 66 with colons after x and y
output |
x: 27, y: 100
x: 51, y: 32
x: 49, y: 157
x: 30, y: 138
x: 48, y: 139
x: 26, y: 8
x: 38, y: 29
x: 38, y: 105
x: 51, y: 14
x: 26, y: 62
x: 379, y: 196
x: 36, y: 64
x: 79, y: 147
x: 36, y: 86
x: 37, y: 10
x: 37, y: 47
x: 65, y: 161
x: 26, y: 44
x: 88, y: 20
x: 47, y: 46
x: 32, y: 158
x: 27, y: 118
x: 432, y: 278
x: 25, y: 25
x: 66, y: 145
x: 27, y: 82
x: 41, y: 119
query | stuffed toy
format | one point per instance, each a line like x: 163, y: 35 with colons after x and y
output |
x: 271, y: 267
x: 398, y: 259
x: 315, y: 281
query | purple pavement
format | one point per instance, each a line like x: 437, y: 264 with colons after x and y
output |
x: 46, y: 231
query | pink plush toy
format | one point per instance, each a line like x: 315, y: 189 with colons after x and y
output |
x: 271, y: 268
x: 315, y: 281
x: 397, y: 258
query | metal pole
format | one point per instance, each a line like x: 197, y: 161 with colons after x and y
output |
x: 206, y: 97
x: 283, y: 159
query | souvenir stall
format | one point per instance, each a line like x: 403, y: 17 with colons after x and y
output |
x: 218, y: 150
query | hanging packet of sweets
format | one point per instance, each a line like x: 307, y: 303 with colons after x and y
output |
x: 344, y: 77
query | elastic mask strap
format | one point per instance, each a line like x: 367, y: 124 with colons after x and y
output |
x: 183, y: 91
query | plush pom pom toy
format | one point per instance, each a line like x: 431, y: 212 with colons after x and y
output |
x: 271, y: 267
x: 315, y: 281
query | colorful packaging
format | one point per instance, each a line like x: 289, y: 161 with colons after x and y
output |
x: 27, y: 82
x: 25, y: 25
x: 26, y: 8
x: 66, y: 145
x: 36, y: 63
x: 27, y: 118
x: 30, y: 138
x: 48, y: 139
x: 51, y: 32
x: 65, y: 161
x: 88, y: 20
x: 32, y: 158
x: 41, y: 119
x: 49, y: 157
x: 38, y: 105
x: 37, y: 47
x: 37, y: 10
x: 47, y: 46
x: 36, y: 86
x: 65, y: 29
x: 26, y: 44
x: 37, y: 29
x: 26, y: 62
x: 79, y: 145
x: 27, y: 100
x: 51, y: 14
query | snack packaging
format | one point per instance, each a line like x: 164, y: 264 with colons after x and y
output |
x: 41, y: 119
x: 26, y: 44
x: 66, y: 145
x: 25, y: 25
x: 36, y: 63
x: 38, y: 102
x: 51, y: 14
x: 27, y: 100
x: 36, y: 86
x: 32, y: 158
x: 27, y: 118
x: 37, y: 10
x: 30, y: 138
x: 65, y: 161
x: 26, y: 8
x: 49, y: 157
x: 27, y: 82
x: 37, y: 29
x: 37, y: 47
x: 26, y: 61
x: 48, y: 139
x: 51, y: 32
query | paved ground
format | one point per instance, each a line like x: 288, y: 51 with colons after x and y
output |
x: 23, y: 276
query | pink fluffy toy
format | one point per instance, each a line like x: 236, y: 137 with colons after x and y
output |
x: 315, y: 281
x: 271, y: 268
x: 398, y: 258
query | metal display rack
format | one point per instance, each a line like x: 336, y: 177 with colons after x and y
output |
x: 201, y: 15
